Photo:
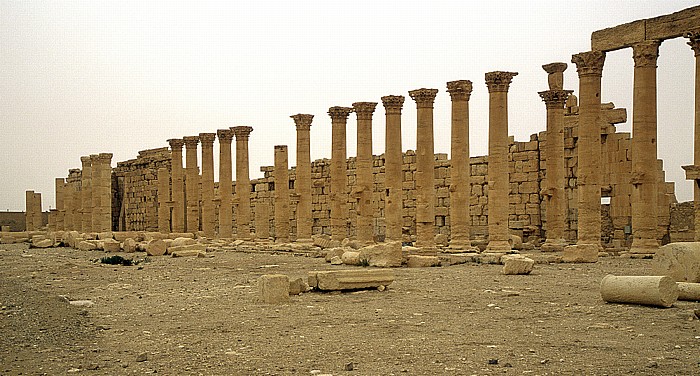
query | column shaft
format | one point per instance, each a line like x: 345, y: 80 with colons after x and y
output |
x: 302, y: 185
x: 393, y: 162
x: 208, y: 214
x: 163, y: 200
x: 178, y: 185
x: 86, y: 194
x: 242, y: 182
x: 191, y: 183
x: 363, y: 172
x: 281, y: 194
x: 102, y: 199
x: 225, y: 183
x: 60, y: 203
x: 339, y: 179
x: 694, y: 43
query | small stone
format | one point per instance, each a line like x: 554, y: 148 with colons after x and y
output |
x: 652, y: 364
x: 142, y: 357
x: 349, y: 367
x: 92, y: 366
x: 82, y: 303
x: 335, y: 260
x: 381, y: 288
x: 493, y: 361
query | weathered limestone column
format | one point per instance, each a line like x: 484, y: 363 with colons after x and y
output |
x: 191, y: 184
x: 68, y: 207
x: 32, y: 211
x: 86, y: 194
x: 498, y: 176
x: 163, y: 200
x: 225, y: 183
x: 553, y: 191
x: 302, y: 185
x: 208, y: 214
x: 693, y: 172
x: 339, y: 179
x: 102, y: 186
x: 644, y: 146
x: 363, y: 172
x: 425, y: 168
x: 262, y: 219
x: 242, y: 182
x: 96, y: 192
x: 590, y: 70
x: 393, y: 174
x: 460, y: 174
x: 60, y: 186
x: 281, y: 194
x: 178, y: 185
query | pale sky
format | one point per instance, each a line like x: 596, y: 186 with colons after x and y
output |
x: 84, y: 77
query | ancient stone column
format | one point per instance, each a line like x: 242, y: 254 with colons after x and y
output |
x: 644, y: 164
x: 178, y: 185
x: 694, y: 43
x: 96, y: 192
x: 163, y: 200
x: 86, y: 194
x: 364, y: 180
x: 60, y: 186
x: 208, y: 214
x: 281, y: 194
x: 460, y: 174
x: 425, y: 168
x: 590, y: 70
x: 339, y: 179
x: 393, y: 162
x: 102, y: 193
x: 191, y: 183
x: 242, y: 182
x: 498, y: 172
x: 32, y: 211
x: 302, y: 185
x: 68, y: 207
x: 225, y: 183
x: 262, y: 219
x: 553, y: 191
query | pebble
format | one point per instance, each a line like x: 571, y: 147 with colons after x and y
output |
x: 349, y: 367
x: 652, y: 364
x: 142, y: 357
x: 493, y: 361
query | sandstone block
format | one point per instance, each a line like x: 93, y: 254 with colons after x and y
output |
x: 457, y: 258
x: 335, y: 252
x: 179, y: 242
x: 336, y: 260
x: 680, y: 261
x: 87, y: 245
x: 646, y: 290
x: 351, y: 279
x: 441, y: 240
x: 516, y: 242
x: 351, y: 258
x: 156, y: 247
x: 104, y: 235
x: 129, y: 245
x: 298, y: 286
x: 111, y: 245
x: 417, y: 261
x: 43, y: 243
x: 493, y: 258
x: 517, y: 264
x: 383, y: 255
x: 581, y: 253
x: 274, y: 288
x: 189, y: 253
x: 182, y: 248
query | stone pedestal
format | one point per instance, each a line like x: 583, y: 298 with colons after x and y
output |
x: 498, y: 176
x: 694, y: 43
x: 460, y: 173
x: 425, y: 166
x: 364, y: 182
x: 191, y: 183
x: 339, y: 179
x: 590, y: 69
x: 302, y: 185
x: 86, y: 193
x: 163, y: 200
x: 208, y: 213
x: 242, y: 182
x: 225, y: 183
x: 281, y: 194
x: 393, y: 162
x: 178, y: 185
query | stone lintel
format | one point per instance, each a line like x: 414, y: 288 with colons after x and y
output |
x: 499, y: 81
x: 692, y: 172
x: 242, y: 132
x: 460, y: 90
x: 423, y: 97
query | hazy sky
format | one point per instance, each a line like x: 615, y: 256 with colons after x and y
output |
x: 83, y: 77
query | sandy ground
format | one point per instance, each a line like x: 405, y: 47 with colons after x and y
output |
x: 200, y: 316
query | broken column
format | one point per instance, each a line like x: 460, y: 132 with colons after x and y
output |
x: 102, y: 197
x: 242, y: 134
x: 32, y: 213
x: 393, y: 161
x: 163, y: 200
x: 225, y: 183
x: 178, y: 185
x: 208, y: 214
x: 364, y: 182
x: 460, y: 188
x: 553, y: 191
x: 644, y: 146
x: 425, y: 166
x: 498, y: 182
x: 191, y: 183
x: 86, y: 194
x: 281, y: 194
x: 339, y: 179
x: 302, y: 184
x: 647, y: 290
x: 60, y: 184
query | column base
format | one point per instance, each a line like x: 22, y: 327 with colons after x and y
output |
x: 581, y: 253
x: 553, y: 245
x: 499, y: 246
x: 460, y: 246
x: 644, y: 246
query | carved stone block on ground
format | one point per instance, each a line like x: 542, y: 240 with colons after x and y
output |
x: 129, y: 245
x: 111, y: 245
x: 156, y: 247
x: 383, y: 255
x: 517, y: 264
x: 274, y: 288
x: 350, y: 279
x: 417, y: 261
x: 680, y: 261
x: 581, y: 253
x: 646, y: 290
x: 297, y: 286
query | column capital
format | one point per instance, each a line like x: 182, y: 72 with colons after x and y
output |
x: 191, y: 141
x: 105, y: 157
x: 555, y: 75
x: 460, y: 90
x: 645, y: 53
x: 207, y: 139
x: 176, y: 143
x: 694, y: 41
x: 499, y: 81
x: 589, y: 63
x: 339, y: 113
x: 281, y: 147
x: 393, y: 103
x: 85, y: 159
x: 303, y: 121
x: 242, y: 132
x: 364, y: 110
x: 423, y: 97
x: 225, y: 135
x: 555, y: 98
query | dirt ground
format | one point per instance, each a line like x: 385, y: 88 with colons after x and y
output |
x: 200, y: 316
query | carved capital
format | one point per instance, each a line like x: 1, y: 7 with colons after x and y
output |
x: 555, y: 98
x: 176, y: 144
x: 645, y: 54
x: 86, y: 160
x: 242, y: 132
x: 339, y: 113
x: 555, y: 75
x: 424, y: 97
x: 191, y: 142
x: 499, y: 81
x: 105, y: 158
x: 303, y: 121
x: 694, y: 41
x: 364, y: 110
x: 393, y: 103
x: 460, y: 90
x: 589, y: 63
x: 225, y: 135
x: 207, y: 139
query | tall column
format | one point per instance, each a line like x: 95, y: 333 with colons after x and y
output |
x: 553, y: 192
x: 225, y: 183
x: 393, y: 162
x: 68, y: 207
x: 590, y: 70
x: 208, y: 215
x: 191, y: 183
x: 693, y: 172
x: 460, y: 174
x: 102, y: 192
x: 86, y: 194
x: 425, y: 168
x: 262, y: 219
x: 498, y: 84
x: 178, y: 185
x: 60, y: 184
x: 163, y: 200
x: 644, y: 164
x: 96, y: 193
x: 281, y: 194
x: 363, y: 172
x: 302, y: 185
x: 339, y: 179
x: 242, y: 182
x: 30, y: 212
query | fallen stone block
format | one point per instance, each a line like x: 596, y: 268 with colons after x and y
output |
x: 274, y: 288
x: 43, y: 243
x: 179, y: 242
x: 335, y: 260
x: 104, y: 235
x: 351, y: 258
x: 581, y: 253
x: 493, y: 258
x: 189, y: 253
x: 457, y: 258
x: 337, y: 280
x: 348, y: 243
x: 383, y: 255
x: 322, y: 241
x: 680, y: 261
x: 417, y: 261
x: 298, y: 286
x: 516, y: 242
x: 156, y: 247
x: 335, y: 252
x: 87, y: 245
x: 111, y: 245
x: 517, y: 264
x: 123, y: 235
x: 129, y: 245
x: 175, y: 235
x: 658, y: 291
x: 688, y: 291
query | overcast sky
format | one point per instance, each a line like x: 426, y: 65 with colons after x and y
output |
x: 83, y: 77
